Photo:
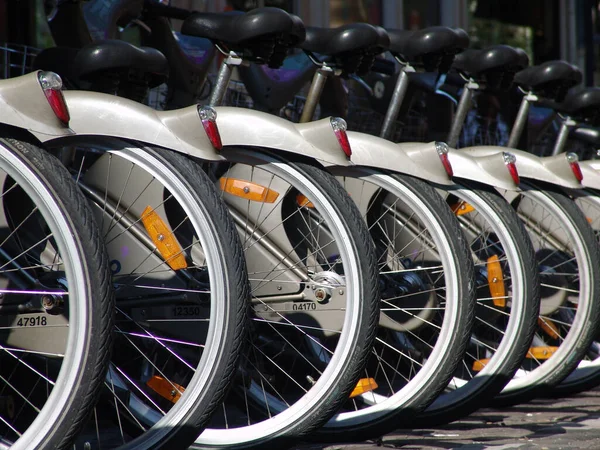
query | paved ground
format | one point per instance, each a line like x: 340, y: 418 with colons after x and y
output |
x: 572, y: 423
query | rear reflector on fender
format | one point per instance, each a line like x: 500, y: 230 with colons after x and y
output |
x: 442, y: 151
x: 339, y: 128
x: 574, y: 163
x: 52, y: 84
x: 208, y: 116
x: 510, y: 161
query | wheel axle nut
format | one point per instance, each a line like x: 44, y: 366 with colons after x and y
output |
x: 320, y: 294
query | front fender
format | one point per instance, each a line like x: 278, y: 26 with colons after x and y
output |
x: 249, y: 128
x: 489, y: 169
x: 98, y: 114
x: 551, y: 169
x: 24, y: 105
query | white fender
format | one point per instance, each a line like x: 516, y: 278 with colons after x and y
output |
x: 99, y: 114
x: 552, y: 169
x: 489, y: 169
x: 591, y: 173
x: 420, y: 160
x: 24, y: 105
x: 249, y: 128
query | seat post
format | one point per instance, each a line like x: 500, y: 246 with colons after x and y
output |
x: 396, y: 102
x: 315, y: 91
x: 563, y: 134
x: 232, y: 60
x: 464, y: 105
x: 521, y: 120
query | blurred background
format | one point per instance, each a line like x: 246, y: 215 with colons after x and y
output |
x: 546, y: 29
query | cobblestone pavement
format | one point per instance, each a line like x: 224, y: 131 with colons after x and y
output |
x: 570, y: 423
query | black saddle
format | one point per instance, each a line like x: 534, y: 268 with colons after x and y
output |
x: 263, y: 35
x: 115, y: 60
x: 495, y: 65
x: 550, y: 80
x: 432, y: 47
x: 586, y: 134
x: 583, y: 105
x: 353, y: 47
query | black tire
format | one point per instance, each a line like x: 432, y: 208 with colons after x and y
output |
x: 570, y: 304
x: 79, y: 381
x: 587, y: 374
x: 410, y: 214
x: 506, y: 330
x: 180, y: 328
x: 289, y: 342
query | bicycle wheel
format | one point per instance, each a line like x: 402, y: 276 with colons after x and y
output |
x: 427, y: 295
x: 182, y: 293
x: 568, y: 258
x: 56, y: 302
x: 587, y: 374
x: 315, y: 300
x: 508, y: 304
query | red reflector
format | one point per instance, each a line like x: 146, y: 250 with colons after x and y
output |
x: 510, y: 160
x: 574, y: 163
x: 58, y: 105
x: 442, y: 151
x: 208, y: 116
x: 339, y: 128
x: 52, y: 86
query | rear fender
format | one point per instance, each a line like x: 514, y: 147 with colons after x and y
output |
x: 591, y: 174
x: 552, y: 169
x: 489, y: 169
x: 97, y: 114
x: 24, y: 105
x: 249, y: 128
x: 420, y: 160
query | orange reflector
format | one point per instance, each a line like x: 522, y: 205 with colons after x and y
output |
x: 549, y: 327
x: 163, y: 238
x: 589, y: 219
x: 364, y: 385
x: 541, y: 352
x: 479, y: 364
x: 461, y: 208
x: 302, y: 201
x: 496, y: 281
x: 249, y: 191
x: 166, y: 389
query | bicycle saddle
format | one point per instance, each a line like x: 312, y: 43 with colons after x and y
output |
x: 586, y: 134
x: 103, y: 57
x: 428, y: 46
x: 353, y: 47
x: 496, y: 64
x: 262, y: 35
x: 551, y: 79
x: 583, y: 104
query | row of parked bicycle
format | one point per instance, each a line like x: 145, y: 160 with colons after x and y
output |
x: 214, y: 276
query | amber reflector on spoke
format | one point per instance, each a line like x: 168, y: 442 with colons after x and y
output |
x: 166, y: 389
x: 302, y: 201
x: 364, y: 385
x: 249, y: 191
x: 461, y: 208
x: 541, y: 352
x: 163, y: 238
x: 496, y: 281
